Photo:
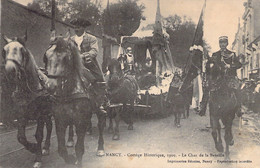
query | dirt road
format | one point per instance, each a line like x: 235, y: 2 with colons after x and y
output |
x: 153, y: 143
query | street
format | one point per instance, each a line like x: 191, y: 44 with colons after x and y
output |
x: 152, y: 143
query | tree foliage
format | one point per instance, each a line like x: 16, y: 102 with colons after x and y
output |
x: 122, y: 18
x: 67, y: 10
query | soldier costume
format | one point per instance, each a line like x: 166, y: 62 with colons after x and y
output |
x: 128, y: 60
x: 88, y: 47
x: 229, y: 62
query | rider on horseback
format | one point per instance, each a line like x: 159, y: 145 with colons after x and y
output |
x: 88, y: 48
x: 228, y: 61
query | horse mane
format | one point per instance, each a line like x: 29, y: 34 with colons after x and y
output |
x: 32, y: 68
x: 77, y: 60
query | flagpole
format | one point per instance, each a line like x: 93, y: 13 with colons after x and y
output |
x: 196, y: 32
x: 53, y: 7
x: 202, y: 13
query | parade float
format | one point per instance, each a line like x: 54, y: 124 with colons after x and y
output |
x: 154, y: 67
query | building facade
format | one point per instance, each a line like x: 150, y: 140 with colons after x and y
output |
x: 247, y: 41
x: 238, y: 47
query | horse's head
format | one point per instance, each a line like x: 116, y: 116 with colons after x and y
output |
x: 215, y: 74
x: 115, y: 71
x: 15, y: 56
x: 61, y: 60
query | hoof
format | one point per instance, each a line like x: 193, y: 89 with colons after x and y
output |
x: 116, y: 137
x: 220, y: 147
x: 231, y: 142
x: 130, y: 127
x: 89, y: 132
x: 78, y: 164
x: 37, y: 165
x: 71, y: 160
x: 45, y: 152
x: 70, y: 144
x: 110, y: 130
x: 227, y: 158
x: 100, y: 153
x: 33, y: 147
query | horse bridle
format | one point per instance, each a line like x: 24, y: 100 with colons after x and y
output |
x: 19, y: 66
x: 54, y: 42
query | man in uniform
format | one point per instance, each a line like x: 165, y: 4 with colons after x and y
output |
x: 227, y: 59
x: 88, y: 48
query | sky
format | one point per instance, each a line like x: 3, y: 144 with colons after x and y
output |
x: 221, y: 16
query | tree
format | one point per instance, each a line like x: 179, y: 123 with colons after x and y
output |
x: 85, y: 9
x: 181, y: 31
x: 122, y: 18
x: 66, y: 10
x: 44, y: 7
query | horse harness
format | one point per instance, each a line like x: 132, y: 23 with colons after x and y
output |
x: 22, y: 73
x: 63, y: 80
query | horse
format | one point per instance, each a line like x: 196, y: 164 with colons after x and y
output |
x: 30, y: 95
x: 71, y: 90
x: 222, y: 106
x: 176, y: 99
x: 122, y: 88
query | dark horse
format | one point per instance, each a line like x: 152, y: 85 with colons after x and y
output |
x: 121, y: 89
x: 32, y: 99
x: 71, y: 90
x: 222, y: 106
x: 176, y: 99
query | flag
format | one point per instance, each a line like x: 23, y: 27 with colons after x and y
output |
x: 164, y: 61
x: 194, y: 63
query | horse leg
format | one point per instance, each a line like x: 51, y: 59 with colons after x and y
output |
x: 21, y: 137
x: 184, y: 112
x: 39, y: 138
x: 228, y: 139
x: 175, y: 115
x: 219, y: 136
x: 110, y: 115
x: 79, y: 147
x: 46, y: 148
x: 89, y: 128
x: 131, y: 112
x: 179, y: 112
x: 70, y: 142
x: 231, y: 137
x: 228, y: 135
x: 62, y: 150
x: 216, y: 134
x: 188, y: 110
x: 116, y: 135
x: 101, y: 125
